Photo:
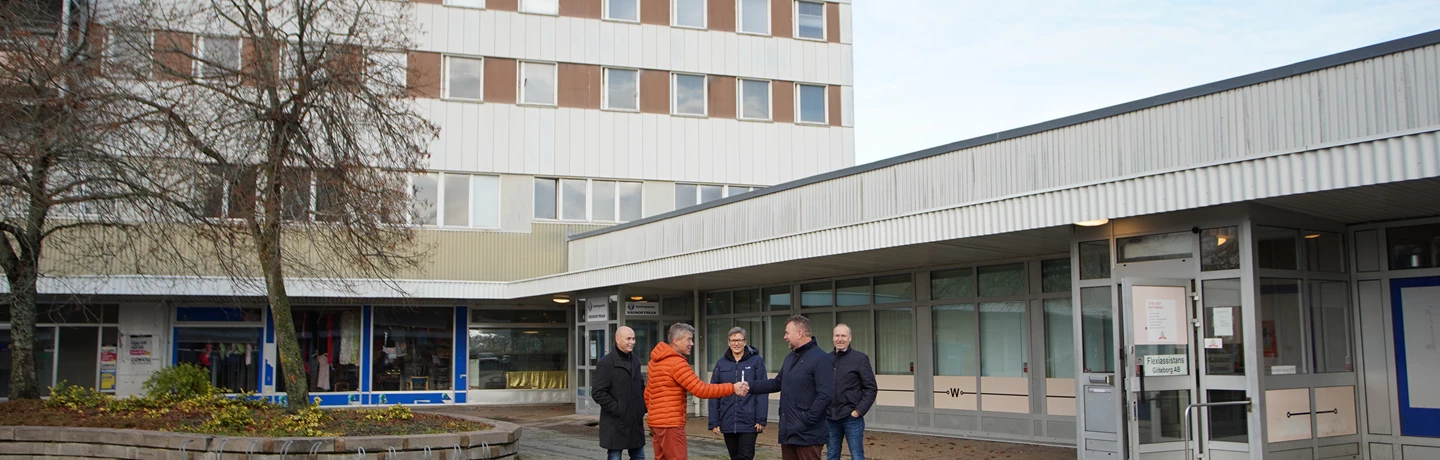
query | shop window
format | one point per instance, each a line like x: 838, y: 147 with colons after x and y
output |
x: 517, y: 315
x: 777, y: 298
x: 1220, y: 249
x: 1002, y: 280
x: 1415, y: 246
x: 675, y: 306
x: 956, y: 340
x: 329, y: 340
x: 1324, y: 252
x: 816, y: 295
x: 716, y: 338
x: 1002, y: 339
x: 822, y: 326
x: 718, y: 303
x: 230, y: 354
x: 1229, y: 423
x: 1275, y: 248
x: 1330, y: 325
x: 1097, y: 329
x: 775, y: 353
x: 1095, y: 260
x: 952, y: 284
x: 412, y: 348
x: 1223, y: 322
x: 74, y: 314
x: 755, y: 334
x: 648, y: 333
x: 1059, y: 339
x: 862, y: 330
x: 1282, y: 326
x: 518, y: 359
x: 895, y: 342
x: 747, y: 301
x: 1055, y: 275
x: 894, y: 288
x: 1164, y: 246
x: 850, y: 293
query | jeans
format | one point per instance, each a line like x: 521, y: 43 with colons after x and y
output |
x: 852, y: 431
x: 637, y: 453
x: 740, y: 445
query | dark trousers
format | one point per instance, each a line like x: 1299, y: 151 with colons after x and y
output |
x: 637, y: 453
x: 850, y: 430
x: 741, y: 445
x: 791, y: 452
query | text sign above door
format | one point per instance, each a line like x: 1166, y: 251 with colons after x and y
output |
x: 597, y: 312
x: 642, y: 309
x: 1166, y: 365
x: 1159, y: 314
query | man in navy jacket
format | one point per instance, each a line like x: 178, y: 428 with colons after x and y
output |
x: 806, y: 383
x: 739, y: 418
x: 855, y: 391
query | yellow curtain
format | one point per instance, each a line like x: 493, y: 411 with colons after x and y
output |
x: 537, y: 380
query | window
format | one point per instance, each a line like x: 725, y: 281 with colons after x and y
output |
x: 754, y: 99
x: 457, y: 200
x: 956, y: 340
x: 850, y: 293
x: 776, y: 298
x: 1325, y: 252
x: 1055, y: 275
x: 1415, y: 246
x: 1165, y: 246
x: 485, y: 201
x: 687, y: 195
x: 231, y: 355
x: 1331, y: 326
x: 572, y: 199
x: 1002, y: 339
x: 810, y: 20
x: 219, y: 57
x: 602, y: 200
x: 412, y: 348
x: 1002, y: 280
x: 466, y: 3
x: 1095, y: 260
x: 588, y: 200
x: 710, y: 193
x: 537, y: 83
x: 631, y: 201
x: 1282, y: 327
x: 623, y: 10
x: 545, y: 207
x: 331, y: 341
x: 1059, y: 339
x: 295, y: 194
x: 689, y: 13
x: 427, y: 198
x: 755, y: 16
x: 622, y: 89
x: 1097, y: 329
x: 1277, y: 248
x: 1223, y: 321
x: 812, y: 103
x: 518, y: 349
x: 129, y: 51
x: 689, y: 95
x: 462, y: 78
x: 816, y: 295
x: 551, y: 7
x: 1220, y: 249
x: 894, y: 289
x: 952, y: 284
x: 894, y: 342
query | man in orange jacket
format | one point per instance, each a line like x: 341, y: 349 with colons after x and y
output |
x: 670, y: 378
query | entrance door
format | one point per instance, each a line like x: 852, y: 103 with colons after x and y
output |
x: 1416, y: 303
x: 1160, y: 373
x: 593, y: 344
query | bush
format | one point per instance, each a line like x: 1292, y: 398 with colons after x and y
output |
x: 75, y: 397
x: 184, y: 381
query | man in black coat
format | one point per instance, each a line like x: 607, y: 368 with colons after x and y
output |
x: 806, y: 383
x: 855, y: 391
x: 619, y: 389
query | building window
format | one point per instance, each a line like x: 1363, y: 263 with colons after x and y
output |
x: 426, y: 198
x: 630, y: 201
x: 622, y: 89
x: 231, y: 355
x: 687, y: 195
x: 689, y: 13
x: 754, y: 99
x: 524, y: 348
x: 462, y: 78
x: 129, y: 51
x: 537, y: 83
x: 219, y: 57
x: 331, y: 344
x: 456, y: 200
x: 810, y: 20
x: 755, y: 17
x: 545, y: 196
x: 587, y: 200
x: 623, y: 10
x: 466, y: 3
x: 572, y: 199
x: 812, y: 103
x: 551, y: 7
x: 412, y: 348
x: 689, y: 95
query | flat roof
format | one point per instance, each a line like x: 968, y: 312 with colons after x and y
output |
x: 1278, y: 73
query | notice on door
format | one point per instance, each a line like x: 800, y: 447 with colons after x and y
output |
x: 140, y: 350
x: 1159, y: 315
x: 1166, y: 365
x: 1223, y: 320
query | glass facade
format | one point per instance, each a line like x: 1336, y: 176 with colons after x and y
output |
x: 412, y: 348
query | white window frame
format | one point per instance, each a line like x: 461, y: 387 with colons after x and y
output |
x: 725, y: 191
x: 445, y: 72
x: 473, y: 4
x: 824, y: 26
x: 589, y: 201
x: 824, y: 105
x: 740, y: 19
x: 740, y: 99
x: 675, y: 94
x: 704, y: 15
x: 202, y: 42
x: 605, y: 12
x: 605, y: 89
x: 554, y: 84
x: 441, y: 198
x: 525, y: 10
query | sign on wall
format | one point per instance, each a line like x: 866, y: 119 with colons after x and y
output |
x: 1166, y: 365
x: 141, y: 350
x: 642, y: 309
x: 597, y: 312
x: 1160, y: 315
x: 108, y: 360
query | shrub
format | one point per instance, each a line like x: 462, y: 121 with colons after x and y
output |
x: 392, y: 413
x: 183, y: 381
x: 75, y: 397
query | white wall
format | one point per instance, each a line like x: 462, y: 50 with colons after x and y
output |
x: 151, y: 319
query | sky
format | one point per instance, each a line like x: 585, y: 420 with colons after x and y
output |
x: 931, y: 72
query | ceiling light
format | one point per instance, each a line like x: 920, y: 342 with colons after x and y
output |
x: 1312, y: 236
x: 1093, y: 223
x: 637, y: 298
x: 532, y: 332
x: 561, y: 299
x: 1220, y: 240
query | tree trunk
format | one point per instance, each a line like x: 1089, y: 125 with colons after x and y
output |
x: 24, y: 383
x: 297, y: 387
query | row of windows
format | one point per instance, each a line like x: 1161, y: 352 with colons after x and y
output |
x: 689, y: 93
x: 587, y: 200
x: 752, y: 16
x: 687, y: 195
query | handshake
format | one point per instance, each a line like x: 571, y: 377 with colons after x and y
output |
x: 742, y: 389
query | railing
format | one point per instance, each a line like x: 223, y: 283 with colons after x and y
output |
x: 1185, y: 423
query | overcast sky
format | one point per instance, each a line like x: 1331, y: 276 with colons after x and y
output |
x: 930, y: 72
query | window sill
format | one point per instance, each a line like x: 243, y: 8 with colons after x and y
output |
x: 688, y: 115
x: 755, y: 34
x: 813, y: 123
x: 622, y: 21
x: 477, y: 8
x: 462, y: 99
x: 607, y: 109
x: 555, y: 14
x: 809, y: 39
x: 755, y: 120
x: 682, y: 26
x: 537, y: 105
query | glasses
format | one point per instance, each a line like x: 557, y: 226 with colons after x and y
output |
x: 737, y: 340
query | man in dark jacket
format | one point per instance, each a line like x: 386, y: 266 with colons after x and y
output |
x: 855, y: 391
x: 619, y: 389
x: 739, y: 418
x: 806, y: 383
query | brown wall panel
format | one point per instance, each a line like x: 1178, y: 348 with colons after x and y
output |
x: 832, y: 22
x: 782, y: 18
x: 500, y: 80
x: 579, y: 86
x: 423, y: 74
x: 654, y: 91
x: 722, y: 100
x: 721, y: 15
x: 782, y: 104
x: 655, y: 12
x: 589, y: 9
x: 173, y: 50
x: 503, y: 5
x: 834, y: 105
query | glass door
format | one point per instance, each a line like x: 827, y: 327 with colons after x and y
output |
x: 1161, y: 371
x: 593, y: 340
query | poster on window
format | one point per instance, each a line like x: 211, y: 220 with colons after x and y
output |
x: 141, y: 350
x: 108, y: 357
x: 107, y: 380
x: 1159, y: 315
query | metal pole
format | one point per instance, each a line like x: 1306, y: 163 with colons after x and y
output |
x: 1185, y: 423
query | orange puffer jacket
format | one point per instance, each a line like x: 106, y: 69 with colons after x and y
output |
x: 670, y: 378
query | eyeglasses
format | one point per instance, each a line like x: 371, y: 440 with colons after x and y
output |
x: 737, y: 340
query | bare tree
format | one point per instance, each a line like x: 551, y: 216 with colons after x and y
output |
x: 286, y: 133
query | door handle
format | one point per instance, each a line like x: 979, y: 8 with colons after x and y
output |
x: 1331, y: 411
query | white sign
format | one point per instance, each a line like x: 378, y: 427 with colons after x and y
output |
x: 1282, y: 370
x: 642, y: 309
x: 1166, y: 365
x: 1213, y: 343
x: 1162, y: 321
x: 1159, y: 315
x: 1224, y: 321
x: 597, y: 312
x: 140, y: 350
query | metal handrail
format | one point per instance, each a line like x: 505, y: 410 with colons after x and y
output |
x: 1185, y: 423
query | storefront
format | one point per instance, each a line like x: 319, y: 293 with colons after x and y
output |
x: 75, y: 344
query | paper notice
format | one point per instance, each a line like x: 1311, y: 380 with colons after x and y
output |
x: 1224, y: 321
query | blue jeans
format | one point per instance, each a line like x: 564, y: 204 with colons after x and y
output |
x: 852, y: 431
x: 637, y: 453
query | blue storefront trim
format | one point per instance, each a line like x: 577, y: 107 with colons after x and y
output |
x: 1414, y: 421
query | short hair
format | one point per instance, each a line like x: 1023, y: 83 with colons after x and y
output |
x: 737, y: 330
x: 847, y: 327
x: 677, y: 330
x: 801, y: 323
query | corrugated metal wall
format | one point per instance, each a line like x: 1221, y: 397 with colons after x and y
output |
x: 1351, y: 103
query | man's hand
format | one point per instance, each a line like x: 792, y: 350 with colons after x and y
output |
x: 716, y: 430
x: 759, y: 428
x: 742, y: 389
x: 855, y: 413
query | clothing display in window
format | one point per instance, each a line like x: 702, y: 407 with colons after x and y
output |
x: 325, y: 333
